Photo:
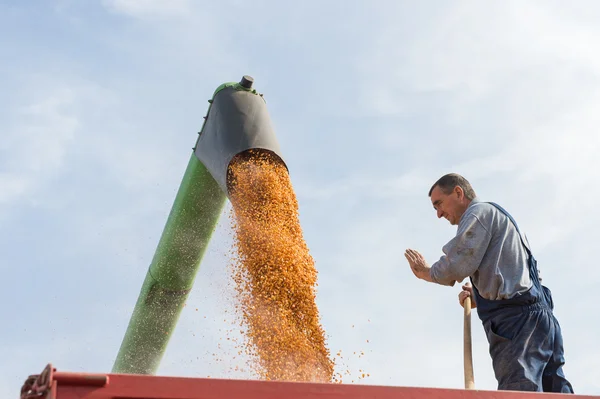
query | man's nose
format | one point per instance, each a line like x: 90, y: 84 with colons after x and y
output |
x: 439, y: 213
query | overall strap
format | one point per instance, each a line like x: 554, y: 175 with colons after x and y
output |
x: 523, y: 241
x: 531, y: 263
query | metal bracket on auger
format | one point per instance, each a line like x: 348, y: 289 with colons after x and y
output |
x: 45, y: 385
x: 37, y: 386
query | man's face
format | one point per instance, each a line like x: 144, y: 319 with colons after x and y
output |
x: 449, y: 206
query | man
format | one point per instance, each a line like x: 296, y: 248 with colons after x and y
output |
x: 525, y: 340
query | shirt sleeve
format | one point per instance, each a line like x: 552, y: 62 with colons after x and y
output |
x: 463, y: 254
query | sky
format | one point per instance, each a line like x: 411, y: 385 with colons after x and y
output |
x: 372, y: 102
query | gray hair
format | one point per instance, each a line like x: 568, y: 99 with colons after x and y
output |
x: 448, y: 182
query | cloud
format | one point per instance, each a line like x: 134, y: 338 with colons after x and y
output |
x: 506, y: 101
x: 149, y: 9
x: 13, y: 187
x: 365, y: 186
x: 34, y: 148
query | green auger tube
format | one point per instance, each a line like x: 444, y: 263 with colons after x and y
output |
x: 194, y: 215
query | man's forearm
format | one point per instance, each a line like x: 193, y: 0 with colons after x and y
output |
x: 433, y: 275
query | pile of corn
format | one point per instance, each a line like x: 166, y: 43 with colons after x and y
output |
x: 274, y: 274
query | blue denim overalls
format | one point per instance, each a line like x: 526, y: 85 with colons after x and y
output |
x: 525, y: 339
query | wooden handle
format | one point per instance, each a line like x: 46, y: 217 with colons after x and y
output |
x: 467, y: 352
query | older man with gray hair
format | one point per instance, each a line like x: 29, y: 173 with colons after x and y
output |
x: 525, y: 340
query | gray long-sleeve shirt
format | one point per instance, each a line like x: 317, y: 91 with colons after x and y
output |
x: 487, y: 247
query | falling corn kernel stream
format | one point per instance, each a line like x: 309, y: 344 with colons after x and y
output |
x: 274, y: 274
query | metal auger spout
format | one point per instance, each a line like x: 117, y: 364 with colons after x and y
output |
x: 237, y: 121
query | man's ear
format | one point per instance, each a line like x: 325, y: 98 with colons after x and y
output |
x: 459, y: 192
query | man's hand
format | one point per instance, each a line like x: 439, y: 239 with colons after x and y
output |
x: 418, y: 265
x: 467, y: 292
